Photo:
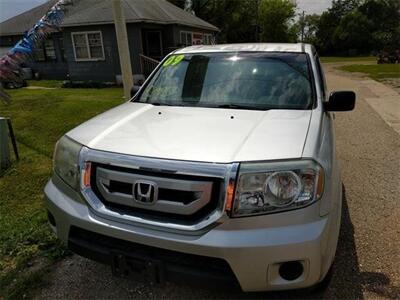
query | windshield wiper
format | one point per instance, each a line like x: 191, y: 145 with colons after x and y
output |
x: 238, y: 106
x: 163, y: 104
x: 158, y: 103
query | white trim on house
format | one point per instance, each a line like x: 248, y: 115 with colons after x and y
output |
x: 86, y: 33
x: 207, y: 38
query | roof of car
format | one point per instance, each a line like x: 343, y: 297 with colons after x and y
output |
x: 249, y: 47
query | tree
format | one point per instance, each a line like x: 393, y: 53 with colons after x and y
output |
x: 384, y: 16
x: 353, y: 34
x: 275, y: 18
x: 236, y: 19
x: 326, y: 27
x: 342, y: 7
x: 328, y: 23
x: 359, y: 27
x: 308, y: 27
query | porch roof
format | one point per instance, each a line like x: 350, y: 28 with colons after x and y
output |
x: 96, y: 12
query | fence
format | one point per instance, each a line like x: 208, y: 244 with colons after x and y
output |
x: 147, y: 64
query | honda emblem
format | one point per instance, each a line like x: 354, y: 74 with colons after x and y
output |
x: 145, y: 192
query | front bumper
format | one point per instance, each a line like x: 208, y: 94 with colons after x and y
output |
x: 253, y: 247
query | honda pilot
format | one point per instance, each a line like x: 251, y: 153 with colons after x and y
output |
x: 221, y: 168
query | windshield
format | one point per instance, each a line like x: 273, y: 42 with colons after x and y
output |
x: 232, y: 80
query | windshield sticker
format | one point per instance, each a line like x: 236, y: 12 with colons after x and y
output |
x: 173, y: 60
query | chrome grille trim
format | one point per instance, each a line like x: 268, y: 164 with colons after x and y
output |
x: 203, y: 188
x: 226, y: 172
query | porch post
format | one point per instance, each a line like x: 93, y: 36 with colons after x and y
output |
x: 123, y: 48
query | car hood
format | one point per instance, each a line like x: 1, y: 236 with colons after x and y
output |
x: 197, y: 134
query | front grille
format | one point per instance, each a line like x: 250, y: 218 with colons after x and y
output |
x: 173, y: 195
x: 182, y: 199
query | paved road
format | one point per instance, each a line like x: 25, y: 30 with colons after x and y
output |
x: 368, y: 256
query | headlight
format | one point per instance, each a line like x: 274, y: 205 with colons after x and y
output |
x: 264, y: 188
x: 66, y: 161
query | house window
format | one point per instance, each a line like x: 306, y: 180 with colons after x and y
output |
x: 38, y: 53
x: 50, y: 50
x: 45, y: 51
x: 88, y: 46
x: 62, y: 49
x: 195, y: 38
x: 207, y: 39
x: 186, y: 38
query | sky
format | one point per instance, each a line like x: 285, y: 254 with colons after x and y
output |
x: 312, y: 6
x: 10, y: 8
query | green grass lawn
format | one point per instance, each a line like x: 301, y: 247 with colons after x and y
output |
x: 338, y: 59
x: 40, y: 117
x: 46, y: 83
x: 375, y: 71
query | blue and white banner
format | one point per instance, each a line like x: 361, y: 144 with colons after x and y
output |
x: 22, y: 52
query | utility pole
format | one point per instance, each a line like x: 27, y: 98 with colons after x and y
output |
x: 257, y: 21
x: 123, y: 48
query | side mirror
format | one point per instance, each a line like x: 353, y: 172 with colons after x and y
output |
x: 134, y: 90
x: 341, y: 101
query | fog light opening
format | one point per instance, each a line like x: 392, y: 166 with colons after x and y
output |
x: 51, y: 219
x: 291, y: 270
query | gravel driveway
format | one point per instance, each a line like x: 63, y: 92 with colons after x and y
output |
x: 368, y: 256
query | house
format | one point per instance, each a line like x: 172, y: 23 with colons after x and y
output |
x: 86, y: 48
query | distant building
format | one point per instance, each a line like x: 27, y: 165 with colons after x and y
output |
x: 86, y: 48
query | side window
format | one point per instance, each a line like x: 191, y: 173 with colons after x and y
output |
x: 45, y: 51
x: 62, y: 49
x: 88, y: 46
x: 321, y: 77
x: 186, y: 38
x: 189, y: 39
x: 80, y: 46
x: 38, y: 53
x: 207, y: 39
x: 183, y: 38
x: 50, y: 50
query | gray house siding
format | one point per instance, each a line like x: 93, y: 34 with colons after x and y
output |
x: 66, y: 66
x: 9, y: 40
x: 107, y: 69
x: 99, y: 70
x: 169, y: 42
x: 50, y: 70
x: 135, y: 47
x: 152, y: 28
x: 57, y: 69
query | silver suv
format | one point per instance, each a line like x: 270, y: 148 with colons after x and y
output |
x: 221, y: 167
